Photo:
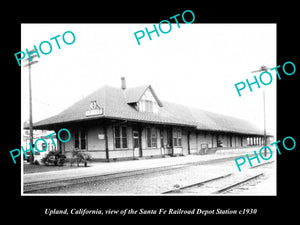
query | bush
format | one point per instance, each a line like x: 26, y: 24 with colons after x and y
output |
x: 35, y: 162
x: 56, y: 158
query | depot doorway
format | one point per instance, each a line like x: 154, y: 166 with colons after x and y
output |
x: 137, y: 147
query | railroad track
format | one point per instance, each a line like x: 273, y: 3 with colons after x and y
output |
x: 237, y: 184
x: 220, y: 184
x: 215, y: 185
x: 40, y: 186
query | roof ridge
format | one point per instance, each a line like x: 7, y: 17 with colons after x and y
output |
x: 212, y: 115
x: 203, y: 110
x: 115, y: 104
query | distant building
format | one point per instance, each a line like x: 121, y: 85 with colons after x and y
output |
x: 126, y: 123
x: 40, y: 145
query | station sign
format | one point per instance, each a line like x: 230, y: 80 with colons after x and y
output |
x: 95, y: 109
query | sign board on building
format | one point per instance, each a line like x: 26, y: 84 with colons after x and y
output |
x: 94, y: 112
x: 94, y: 109
x: 101, y: 136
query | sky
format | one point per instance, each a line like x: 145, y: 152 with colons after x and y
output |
x: 196, y: 65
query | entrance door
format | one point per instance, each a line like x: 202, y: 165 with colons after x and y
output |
x: 137, y: 151
x: 169, y: 142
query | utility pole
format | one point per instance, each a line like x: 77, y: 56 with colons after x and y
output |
x: 31, y: 156
x: 263, y: 68
x: 265, y: 135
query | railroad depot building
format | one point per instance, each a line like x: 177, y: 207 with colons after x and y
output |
x: 129, y: 123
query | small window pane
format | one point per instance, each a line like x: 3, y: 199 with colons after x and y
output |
x: 118, y: 142
x: 179, y: 133
x: 154, y: 142
x: 117, y: 131
x: 148, y: 130
x: 175, y: 142
x: 124, y: 142
x: 124, y: 132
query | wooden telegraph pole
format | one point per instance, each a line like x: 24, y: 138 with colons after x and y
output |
x: 31, y: 156
x: 263, y: 68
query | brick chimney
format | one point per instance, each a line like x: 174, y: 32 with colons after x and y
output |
x: 123, y: 83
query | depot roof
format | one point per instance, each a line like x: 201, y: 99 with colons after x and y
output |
x: 117, y: 104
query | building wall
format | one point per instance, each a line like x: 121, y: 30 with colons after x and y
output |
x: 214, y: 140
x: 185, y: 142
x: 68, y: 147
x: 204, y: 140
x: 152, y: 152
x: 96, y: 140
x: 124, y: 153
x: 144, y: 141
x: 110, y: 135
x: 200, y: 142
x: 238, y: 141
x: 244, y: 141
x: 193, y: 143
x: 222, y: 139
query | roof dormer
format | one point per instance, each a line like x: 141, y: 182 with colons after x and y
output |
x: 143, y: 98
x: 147, y: 102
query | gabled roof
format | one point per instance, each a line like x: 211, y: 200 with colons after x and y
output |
x: 209, y: 121
x: 134, y: 94
x: 115, y: 101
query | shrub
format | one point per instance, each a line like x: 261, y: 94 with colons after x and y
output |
x: 56, y: 158
x: 35, y: 162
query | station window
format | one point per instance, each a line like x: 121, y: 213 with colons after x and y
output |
x: 161, y: 134
x: 148, y: 106
x: 120, y: 137
x: 151, y: 137
x: 80, y: 138
x: 177, y: 138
